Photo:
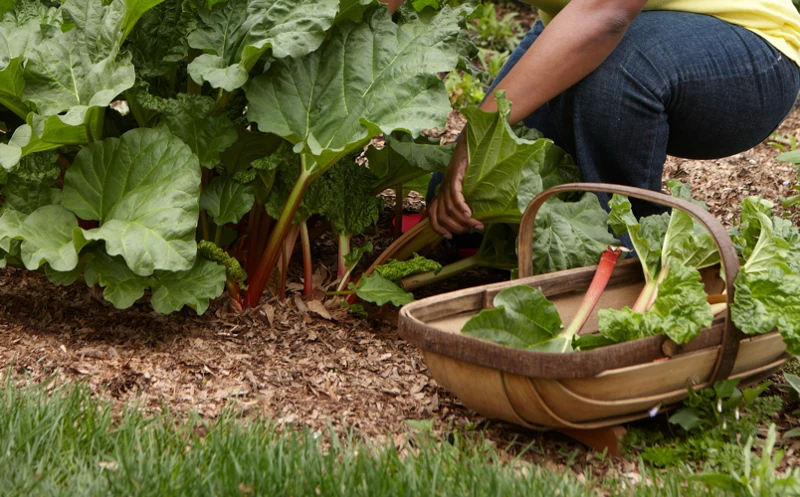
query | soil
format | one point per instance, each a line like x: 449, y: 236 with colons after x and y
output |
x: 307, y: 364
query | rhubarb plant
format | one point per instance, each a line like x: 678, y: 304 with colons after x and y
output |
x: 134, y: 128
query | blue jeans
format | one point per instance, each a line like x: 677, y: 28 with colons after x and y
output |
x: 682, y: 84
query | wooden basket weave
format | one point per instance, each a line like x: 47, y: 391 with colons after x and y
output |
x: 597, y: 388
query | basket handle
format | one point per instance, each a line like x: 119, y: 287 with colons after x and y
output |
x: 730, y: 261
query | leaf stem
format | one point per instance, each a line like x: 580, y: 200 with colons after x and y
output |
x: 97, y: 120
x: 136, y: 109
x: 344, y: 249
x: 413, y: 282
x: 193, y: 88
x: 601, y: 276
x: 278, y: 236
x: 217, y: 235
x: 339, y: 293
x: 308, y: 270
x: 223, y: 97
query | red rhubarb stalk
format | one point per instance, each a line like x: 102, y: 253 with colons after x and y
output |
x: 277, y: 237
x: 604, y: 270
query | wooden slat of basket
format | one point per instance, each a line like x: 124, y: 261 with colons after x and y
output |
x: 678, y: 372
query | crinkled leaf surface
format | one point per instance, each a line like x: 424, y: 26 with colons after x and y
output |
x: 395, y: 270
x: 159, y: 39
x: 767, y: 289
x: 195, y: 120
x: 505, y: 171
x: 27, y: 196
x: 236, y: 35
x: 30, y: 185
x: 122, y: 287
x: 21, y: 30
x: 687, y: 243
x: 353, y: 208
x: 680, y: 311
x: 144, y: 189
x: 193, y: 288
x: 570, y: 234
x: 82, y: 68
x: 523, y: 318
x: 378, y: 290
x: 227, y: 200
x: 371, y: 77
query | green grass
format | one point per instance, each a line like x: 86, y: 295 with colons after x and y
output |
x: 62, y: 441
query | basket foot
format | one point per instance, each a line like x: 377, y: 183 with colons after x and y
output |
x: 599, y: 439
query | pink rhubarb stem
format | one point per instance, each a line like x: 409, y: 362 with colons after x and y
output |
x: 604, y: 270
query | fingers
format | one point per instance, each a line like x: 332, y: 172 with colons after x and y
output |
x: 448, y: 217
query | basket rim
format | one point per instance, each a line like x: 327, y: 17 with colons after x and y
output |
x: 545, y: 365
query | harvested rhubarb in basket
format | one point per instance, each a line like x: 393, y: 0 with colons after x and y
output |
x: 524, y: 318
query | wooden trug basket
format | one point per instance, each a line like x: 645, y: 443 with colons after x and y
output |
x: 585, y: 393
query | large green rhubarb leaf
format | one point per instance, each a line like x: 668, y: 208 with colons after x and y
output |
x: 570, y: 234
x: 505, y: 171
x: 143, y: 188
x: 81, y: 68
x: 21, y: 30
x: 523, y: 318
x: 371, y: 77
x: 236, y: 35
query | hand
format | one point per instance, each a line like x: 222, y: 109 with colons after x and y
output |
x: 449, y: 212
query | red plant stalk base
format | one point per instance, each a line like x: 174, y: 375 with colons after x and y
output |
x: 604, y: 270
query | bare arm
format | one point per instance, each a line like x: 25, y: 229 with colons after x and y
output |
x: 574, y: 44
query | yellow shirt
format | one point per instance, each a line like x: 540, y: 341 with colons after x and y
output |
x: 777, y: 21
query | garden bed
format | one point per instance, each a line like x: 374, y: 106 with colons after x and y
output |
x: 301, y: 365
